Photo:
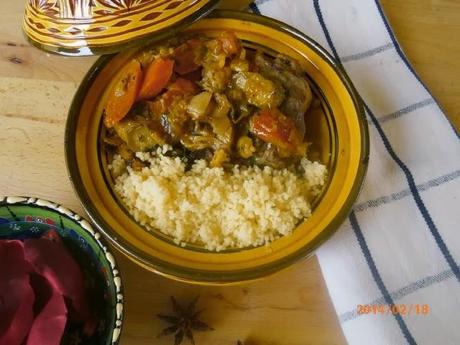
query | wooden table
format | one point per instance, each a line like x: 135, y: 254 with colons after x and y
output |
x: 291, y: 308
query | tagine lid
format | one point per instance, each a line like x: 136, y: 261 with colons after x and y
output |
x: 94, y: 27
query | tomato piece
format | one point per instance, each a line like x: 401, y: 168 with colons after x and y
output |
x: 184, y: 86
x: 186, y: 56
x: 156, y: 78
x: 230, y: 43
x: 272, y: 126
x: 123, y: 93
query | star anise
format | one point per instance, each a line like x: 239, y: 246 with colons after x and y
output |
x: 184, y: 322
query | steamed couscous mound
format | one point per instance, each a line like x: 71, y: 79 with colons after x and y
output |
x: 214, y: 207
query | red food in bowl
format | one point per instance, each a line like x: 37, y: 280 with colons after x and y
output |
x: 42, y: 288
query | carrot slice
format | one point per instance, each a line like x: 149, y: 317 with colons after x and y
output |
x: 272, y: 126
x: 123, y: 93
x: 156, y: 77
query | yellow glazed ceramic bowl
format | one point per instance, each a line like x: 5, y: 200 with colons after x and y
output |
x: 339, y: 134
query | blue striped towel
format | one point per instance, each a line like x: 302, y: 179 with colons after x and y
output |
x: 397, y: 254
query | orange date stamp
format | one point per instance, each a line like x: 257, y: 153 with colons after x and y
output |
x: 395, y: 309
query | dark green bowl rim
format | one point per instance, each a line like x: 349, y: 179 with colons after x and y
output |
x: 218, y: 277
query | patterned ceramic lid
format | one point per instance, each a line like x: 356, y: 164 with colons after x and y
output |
x: 91, y: 27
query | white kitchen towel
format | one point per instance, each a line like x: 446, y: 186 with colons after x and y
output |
x: 392, y: 269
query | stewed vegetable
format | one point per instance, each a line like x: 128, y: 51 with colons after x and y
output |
x: 210, y: 98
